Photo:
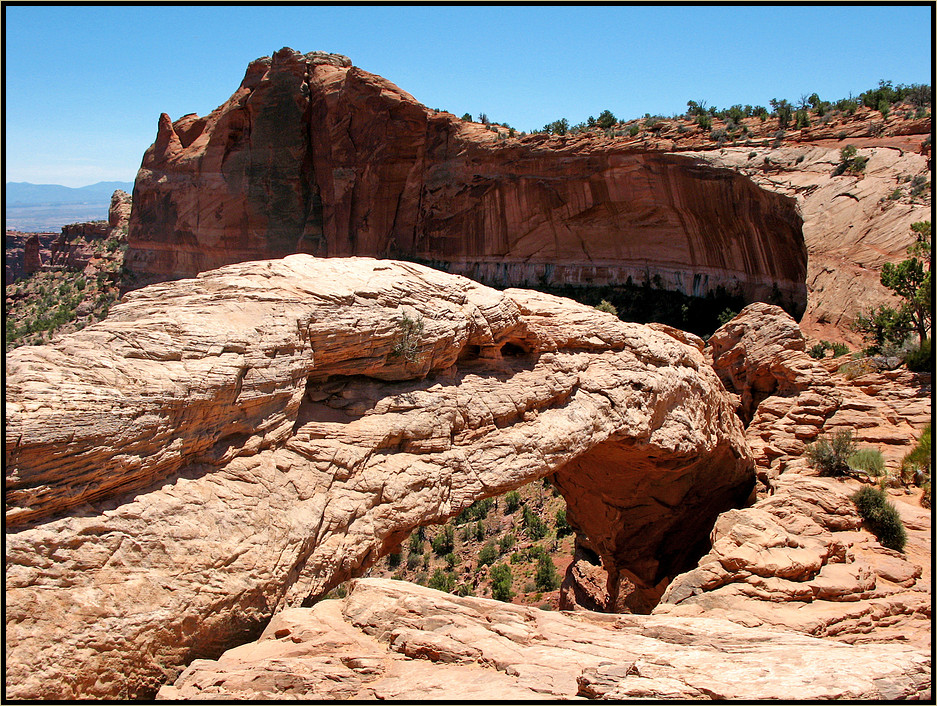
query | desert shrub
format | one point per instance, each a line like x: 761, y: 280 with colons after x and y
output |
x: 868, y: 460
x: 920, y: 358
x: 501, y: 580
x: 546, y: 578
x: 705, y: 122
x: 483, y: 119
x: 606, y: 119
x: 535, y: 527
x: 634, y: 130
x: 467, y: 117
x: 506, y: 543
x: 451, y: 560
x: 839, y: 349
x: 488, y: 554
x: 463, y: 589
x: 726, y: 316
x: 916, y: 465
x: 512, y: 501
x: 895, y: 195
x: 818, y: 350
x: 718, y: 136
x: 918, y: 185
x: 830, y: 456
x: 563, y: 527
x: 442, y: 581
x: 881, y: 517
x: 607, y: 307
x: 474, y: 512
x: 479, y: 530
x: 444, y: 542
x: 393, y: 559
x: 408, y: 340
x: 416, y: 543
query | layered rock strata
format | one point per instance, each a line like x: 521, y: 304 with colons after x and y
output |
x: 799, y: 560
x: 221, y: 447
x: 314, y: 155
x: 394, y: 640
x: 853, y: 223
x: 786, y: 399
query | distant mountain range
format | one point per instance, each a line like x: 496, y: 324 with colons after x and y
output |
x: 34, y: 208
x: 22, y: 193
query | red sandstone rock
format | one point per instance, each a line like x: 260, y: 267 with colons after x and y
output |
x: 313, y: 155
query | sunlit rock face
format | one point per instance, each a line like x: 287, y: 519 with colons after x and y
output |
x: 223, y: 447
x: 313, y: 155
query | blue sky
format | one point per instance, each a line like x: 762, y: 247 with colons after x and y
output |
x: 84, y: 85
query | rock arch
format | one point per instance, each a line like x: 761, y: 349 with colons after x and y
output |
x: 226, y: 446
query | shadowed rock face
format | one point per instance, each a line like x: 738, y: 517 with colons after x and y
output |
x: 225, y: 446
x: 313, y: 155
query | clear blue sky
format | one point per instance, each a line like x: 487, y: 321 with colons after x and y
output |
x: 84, y: 86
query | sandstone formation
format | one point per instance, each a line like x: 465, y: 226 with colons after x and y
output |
x: 71, y: 249
x: 853, y: 224
x: 799, y: 560
x: 786, y: 399
x: 313, y: 155
x: 394, y: 640
x: 221, y: 447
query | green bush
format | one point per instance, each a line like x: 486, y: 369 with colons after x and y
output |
x: 536, y: 528
x: 444, y: 542
x: 634, y: 130
x: 920, y: 359
x: 512, y: 501
x: 839, y: 349
x: 488, y: 554
x: 818, y: 350
x: 607, y: 307
x: 442, y: 581
x: 501, y: 580
x: 881, y: 517
x: 546, y: 578
x: 478, y: 510
x: 916, y: 465
x: 830, y: 456
x: 606, y: 119
x: 868, y: 460
x: 407, y: 344
x: 506, y: 543
x: 467, y: 117
x: 563, y: 528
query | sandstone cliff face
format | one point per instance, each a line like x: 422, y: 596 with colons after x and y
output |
x: 221, y: 447
x: 394, y: 640
x: 852, y: 224
x: 313, y: 155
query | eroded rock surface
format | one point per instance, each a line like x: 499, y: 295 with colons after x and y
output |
x: 311, y: 154
x: 788, y: 399
x: 221, y: 447
x: 394, y: 640
x: 799, y: 559
x: 853, y: 224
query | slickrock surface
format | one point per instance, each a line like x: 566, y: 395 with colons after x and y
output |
x: 311, y: 154
x: 224, y: 446
x: 799, y: 560
x: 395, y: 640
x: 788, y: 399
x: 852, y: 225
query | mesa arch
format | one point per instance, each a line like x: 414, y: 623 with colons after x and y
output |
x: 222, y: 447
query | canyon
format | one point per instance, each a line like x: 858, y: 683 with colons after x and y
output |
x: 330, y: 336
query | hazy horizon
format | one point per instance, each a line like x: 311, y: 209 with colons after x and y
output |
x: 85, y: 108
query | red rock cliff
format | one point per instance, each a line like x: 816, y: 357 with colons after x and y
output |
x: 314, y: 155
